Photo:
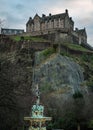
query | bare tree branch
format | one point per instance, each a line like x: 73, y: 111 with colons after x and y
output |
x: 2, y: 22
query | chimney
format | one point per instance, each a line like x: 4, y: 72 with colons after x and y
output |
x: 66, y: 11
x: 70, y: 18
x: 50, y: 14
x: 76, y: 29
x: 43, y: 15
x: 30, y: 18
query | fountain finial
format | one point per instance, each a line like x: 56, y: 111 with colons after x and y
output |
x: 37, y: 95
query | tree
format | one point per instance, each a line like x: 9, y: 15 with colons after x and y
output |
x: 8, y: 107
x: 1, y: 23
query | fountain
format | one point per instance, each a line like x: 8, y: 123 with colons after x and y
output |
x: 37, y: 119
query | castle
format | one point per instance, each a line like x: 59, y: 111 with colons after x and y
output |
x: 59, y: 26
x: 7, y: 31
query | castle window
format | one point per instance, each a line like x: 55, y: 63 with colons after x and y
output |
x: 8, y: 31
x: 49, y: 24
x: 46, y: 25
x: 4, y: 31
x: 56, y: 23
x: 15, y: 32
x: 52, y: 24
x: 62, y: 23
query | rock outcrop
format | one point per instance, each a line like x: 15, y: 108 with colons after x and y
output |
x: 58, y: 72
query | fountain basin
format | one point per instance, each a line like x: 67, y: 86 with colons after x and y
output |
x: 38, y: 119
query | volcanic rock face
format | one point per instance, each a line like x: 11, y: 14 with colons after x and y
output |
x: 58, y: 73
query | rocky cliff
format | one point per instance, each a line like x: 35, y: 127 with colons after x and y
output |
x: 58, y: 72
x: 61, y: 81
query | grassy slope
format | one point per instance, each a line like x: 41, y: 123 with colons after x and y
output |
x: 75, y: 47
x: 30, y: 38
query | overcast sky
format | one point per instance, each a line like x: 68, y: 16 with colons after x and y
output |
x: 17, y: 12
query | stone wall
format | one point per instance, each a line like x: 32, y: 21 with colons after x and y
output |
x: 36, y: 24
x: 44, y: 26
x: 58, y: 21
x: 37, y: 46
x: 61, y: 24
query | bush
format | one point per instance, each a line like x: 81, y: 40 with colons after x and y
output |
x: 77, y: 95
x: 90, y: 124
x: 22, y: 38
x: 87, y: 58
x: 48, y: 52
x: 68, y: 122
x: 90, y: 84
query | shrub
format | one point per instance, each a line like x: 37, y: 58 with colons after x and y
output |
x: 90, y: 84
x: 22, y: 38
x: 77, y: 95
x: 48, y: 52
x: 90, y: 124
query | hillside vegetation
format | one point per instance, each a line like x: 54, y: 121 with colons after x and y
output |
x: 16, y: 77
x: 30, y: 38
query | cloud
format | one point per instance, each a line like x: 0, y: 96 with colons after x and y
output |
x: 16, y: 13
x: 19, y: 6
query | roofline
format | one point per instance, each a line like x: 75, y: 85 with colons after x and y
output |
x: 11, y: 29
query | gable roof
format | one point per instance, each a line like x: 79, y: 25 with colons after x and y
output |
x: 82, y: 32
x: 29, y: 21
x: 52, y: 17
x: 37, y: 16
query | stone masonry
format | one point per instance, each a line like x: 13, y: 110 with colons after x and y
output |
x: 60, y: 24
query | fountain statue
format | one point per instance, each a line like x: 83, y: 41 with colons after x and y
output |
x: 37, y: 119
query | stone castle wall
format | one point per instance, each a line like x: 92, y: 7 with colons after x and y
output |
x: 61, y: 26
x: 44, y: 26
x: 45, y: 23
x: 37, y: 46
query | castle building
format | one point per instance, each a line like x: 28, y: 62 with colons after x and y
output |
x: 60, y: 24
x: 7, y: 31
x: 49, y: 23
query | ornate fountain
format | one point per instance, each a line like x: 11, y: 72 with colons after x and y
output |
x: 37, y: 119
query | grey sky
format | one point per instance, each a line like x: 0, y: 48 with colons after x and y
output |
x: 16, y: 13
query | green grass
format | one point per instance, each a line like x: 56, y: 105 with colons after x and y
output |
x: 15, y: 38
x: 75, y: 47
x: 39, y: 39
x: 30, y: 38
x: 48, y: 52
